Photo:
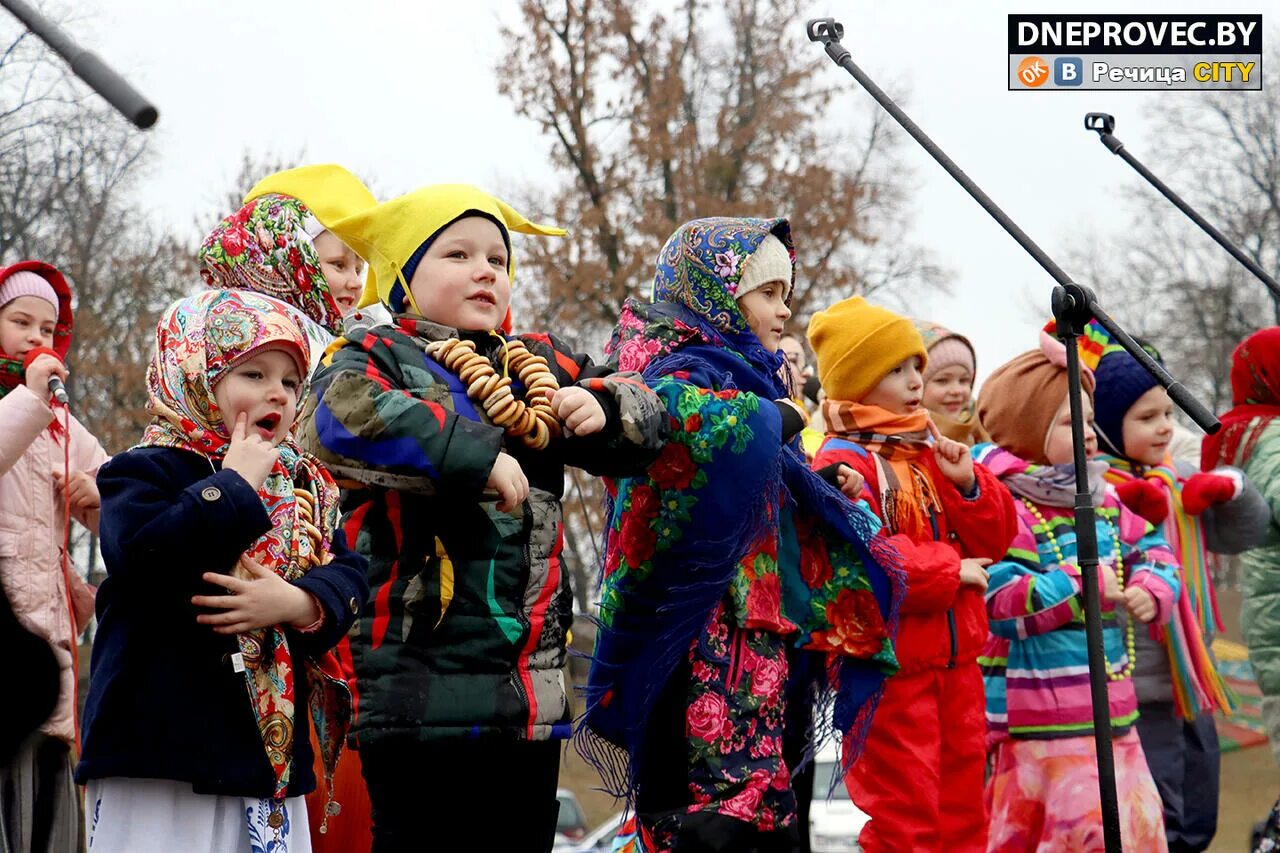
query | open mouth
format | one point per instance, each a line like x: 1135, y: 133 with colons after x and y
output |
x: 486, y: 298
x: 267, y: 425
x: 346, y: 302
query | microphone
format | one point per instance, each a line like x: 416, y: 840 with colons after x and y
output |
x: 56, y: 389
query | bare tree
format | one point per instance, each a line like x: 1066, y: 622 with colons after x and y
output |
x: 656, y: 119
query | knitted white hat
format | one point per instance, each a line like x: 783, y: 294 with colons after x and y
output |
x: 769, y: 262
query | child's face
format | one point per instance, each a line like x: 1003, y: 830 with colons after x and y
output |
x: 462, y: 280
x: 1057, y: 444
x: 264, y: 387
x: 1148, y: 427
x: 900, y: 390
x: 342, y: 269
x: 949, y: 390
x: 26, y: 323
x: 766, y: 311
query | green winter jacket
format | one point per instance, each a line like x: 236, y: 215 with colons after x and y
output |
x: 1260, y: 613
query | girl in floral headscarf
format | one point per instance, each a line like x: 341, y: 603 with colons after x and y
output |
x: 227, y: 584
x: 724, y: 552
x: 278, y: 244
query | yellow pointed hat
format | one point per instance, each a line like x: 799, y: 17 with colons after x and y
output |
x: 329, y: 191
x: 388, y: 235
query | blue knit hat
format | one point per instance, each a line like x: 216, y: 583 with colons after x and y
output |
x: 1121, y: 380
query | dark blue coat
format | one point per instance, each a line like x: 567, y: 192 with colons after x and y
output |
x: 164, y: 701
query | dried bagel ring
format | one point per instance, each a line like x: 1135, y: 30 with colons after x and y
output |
x: 499, y: 397
x: 504, y: 411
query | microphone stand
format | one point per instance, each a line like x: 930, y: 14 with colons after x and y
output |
x: 87, y: 66
x: 1073, y: 307
x: 1103, y: 124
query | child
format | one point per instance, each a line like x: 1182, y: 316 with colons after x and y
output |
x: 40, y: 805
x: 948, y: 384
x: 920, y: 776
x: 295, y: 208
x: 196, y: 729
x: 1176, y: 677
x: 279, y: 244
x: 727, y: 550
x: 1043, y: 787
x: 1250, y: 439
x: 454, y: 438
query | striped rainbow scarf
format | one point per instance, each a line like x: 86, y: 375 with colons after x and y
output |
x: 1198, y: 687
x: 908, y: 498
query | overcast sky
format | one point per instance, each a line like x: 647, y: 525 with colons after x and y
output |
x: 403, y: 94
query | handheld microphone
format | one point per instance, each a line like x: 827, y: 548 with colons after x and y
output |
x: 56, y: 389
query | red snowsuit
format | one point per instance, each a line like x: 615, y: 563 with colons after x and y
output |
x: 920, y: 777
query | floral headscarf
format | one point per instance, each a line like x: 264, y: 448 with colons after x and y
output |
x: 267, y: 247
x: 198, y: 340
x: 693, y: 298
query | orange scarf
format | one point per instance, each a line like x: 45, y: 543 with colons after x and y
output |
x: 907, y: 496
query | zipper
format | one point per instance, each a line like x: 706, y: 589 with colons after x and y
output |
x: 951, y: 626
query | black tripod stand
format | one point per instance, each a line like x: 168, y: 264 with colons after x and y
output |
x: 1073, y: 307
x: 1103, y: 124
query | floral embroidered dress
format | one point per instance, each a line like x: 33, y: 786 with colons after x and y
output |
x: 727, y: 549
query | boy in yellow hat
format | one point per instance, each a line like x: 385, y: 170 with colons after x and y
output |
x: 453, y: 437
x: 920, y: 777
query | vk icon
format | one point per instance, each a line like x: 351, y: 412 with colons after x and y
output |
x: 1068, y: 71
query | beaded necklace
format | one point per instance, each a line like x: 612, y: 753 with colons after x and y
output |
x: 1118, y: 568
x: 532, y: 419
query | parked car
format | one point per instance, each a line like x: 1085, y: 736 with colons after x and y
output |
x: 834, y: 823
x: 600, y: 839
x: 571, y: 824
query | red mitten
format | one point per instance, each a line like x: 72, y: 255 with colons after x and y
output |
x: 1201, y: 490
x: 1146, y: 499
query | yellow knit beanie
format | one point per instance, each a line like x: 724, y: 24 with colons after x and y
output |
x: 856, y: 344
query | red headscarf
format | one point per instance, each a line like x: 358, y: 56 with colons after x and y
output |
x: 1255, y: 395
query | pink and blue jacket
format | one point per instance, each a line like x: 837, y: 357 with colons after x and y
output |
x: 1035, y: 663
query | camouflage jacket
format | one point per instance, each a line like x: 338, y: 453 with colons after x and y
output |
x: 464, y: 632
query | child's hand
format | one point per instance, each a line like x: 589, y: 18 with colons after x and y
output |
x: 250, y: 455
x: 39, y: 371
x: 1140, y: 603
x: 81, y: 489
x: 1145, y: 498
x: 1111, y: 586
x: 973, y: 572
x: 850, y: 482
x: 953, y: 459
x: 1203, y: 490
x: 579, y: 410
x: 508, y: 480
x: 264, y: 600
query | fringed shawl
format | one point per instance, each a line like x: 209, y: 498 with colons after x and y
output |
x: 678, y: 536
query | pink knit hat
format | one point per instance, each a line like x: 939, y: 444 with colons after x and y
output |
x: 27, y: 283
x: 949, y: 352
